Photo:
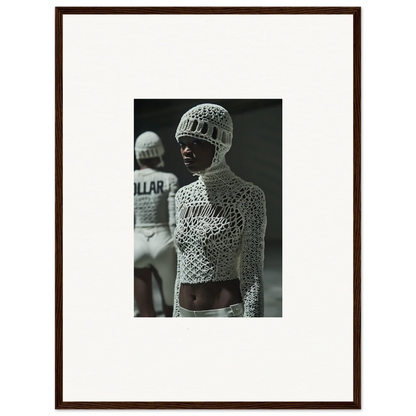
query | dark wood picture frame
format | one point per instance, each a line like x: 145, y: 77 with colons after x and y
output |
x: 356, y: 14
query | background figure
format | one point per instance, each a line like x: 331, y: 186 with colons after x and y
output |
x: 154, y: 222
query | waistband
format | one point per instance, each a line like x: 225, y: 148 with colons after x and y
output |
x: 150, y: 230
x: 235, y: 310
x: 146, y: 226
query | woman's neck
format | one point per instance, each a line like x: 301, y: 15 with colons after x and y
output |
x: 217, y: 174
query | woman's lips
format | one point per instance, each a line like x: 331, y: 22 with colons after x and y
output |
x: 188, y: 161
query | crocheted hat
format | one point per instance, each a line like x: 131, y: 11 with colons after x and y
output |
x: 148, y: 145
x: 209, y: 122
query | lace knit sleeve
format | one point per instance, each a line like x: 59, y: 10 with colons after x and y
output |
x: 178, y: 270
x: 252, y: 253
x: 176, y: 294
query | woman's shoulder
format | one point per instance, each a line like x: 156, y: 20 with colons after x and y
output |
x: 138, y: 175
x: 256, y: 190
x: 246, y: 190
x: 161, y: 174
x: 170, y: 177
x: 250, y: 194
x: 185, y: 190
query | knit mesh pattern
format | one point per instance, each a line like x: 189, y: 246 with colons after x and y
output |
x: 148, y: 145
x: 219, y: 235
x: 209, y: 122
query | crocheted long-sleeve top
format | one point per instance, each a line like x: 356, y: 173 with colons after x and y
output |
x: 220, y: 228
x: 154, y: 198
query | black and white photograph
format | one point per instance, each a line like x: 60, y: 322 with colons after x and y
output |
x: 207, y: 172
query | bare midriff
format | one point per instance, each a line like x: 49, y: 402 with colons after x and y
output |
x: 211, y: 295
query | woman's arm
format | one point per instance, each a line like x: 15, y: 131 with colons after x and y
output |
x: 176, y: 314
x: 252, y: 253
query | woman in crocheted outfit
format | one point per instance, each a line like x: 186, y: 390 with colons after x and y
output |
x: 220, y: 225
x: 154, y: 221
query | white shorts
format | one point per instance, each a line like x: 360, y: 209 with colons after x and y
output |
x: 153, y: 246
x: 232, y: 311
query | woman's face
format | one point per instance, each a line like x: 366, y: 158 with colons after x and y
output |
x: 197, y: 154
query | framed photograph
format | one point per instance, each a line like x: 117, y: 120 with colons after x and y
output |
x: 139, y: 93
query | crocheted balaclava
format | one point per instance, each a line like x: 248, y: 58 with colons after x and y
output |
x: 212, y: 123
x: 149, y: 145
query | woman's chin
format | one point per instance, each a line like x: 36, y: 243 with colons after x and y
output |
x: 192, y: 168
